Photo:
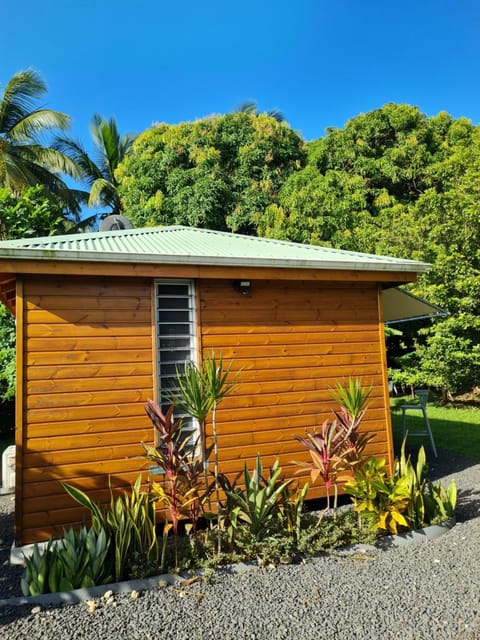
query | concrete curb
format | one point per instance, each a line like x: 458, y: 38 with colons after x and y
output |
x: 141, y: 584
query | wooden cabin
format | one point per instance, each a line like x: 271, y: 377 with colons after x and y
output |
x: 103, y: 319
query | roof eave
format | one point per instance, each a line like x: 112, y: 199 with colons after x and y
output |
x: 221, y: 261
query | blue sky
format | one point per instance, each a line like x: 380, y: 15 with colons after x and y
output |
x: 319, y: 62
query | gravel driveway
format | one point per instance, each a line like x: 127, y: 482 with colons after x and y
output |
x: 428, y: 590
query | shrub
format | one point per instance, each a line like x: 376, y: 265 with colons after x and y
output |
x: 407, y: 499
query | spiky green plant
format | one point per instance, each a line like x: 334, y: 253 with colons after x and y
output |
x: 260, y: 503
x: 129, y: 522
x: 78, y: 560
x: 352, y: 398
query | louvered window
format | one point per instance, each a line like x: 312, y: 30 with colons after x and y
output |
x: 175, y: 317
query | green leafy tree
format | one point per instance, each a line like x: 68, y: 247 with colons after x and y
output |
x: 7, y: 355
x: 24, y: 159
x: 30, y: 214
x: 397, y: 182
x: 218, y: 173
x: 99, y: 172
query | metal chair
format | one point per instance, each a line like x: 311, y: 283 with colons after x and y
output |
x: 422, y: 395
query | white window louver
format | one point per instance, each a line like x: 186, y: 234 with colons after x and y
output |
x: 175, y: 328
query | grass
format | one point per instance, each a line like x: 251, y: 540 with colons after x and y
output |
x: 454, y: 428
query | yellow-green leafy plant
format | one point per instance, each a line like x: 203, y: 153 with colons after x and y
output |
x: 382, y: 500
x: 428, y: 502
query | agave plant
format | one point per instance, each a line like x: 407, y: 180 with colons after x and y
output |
x: 260, y: 503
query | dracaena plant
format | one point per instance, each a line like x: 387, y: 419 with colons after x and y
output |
x: 352, y: 398
x: 338, y: 447
x: 182, y: 490
x: 200, y: 391
x: 326, y: 449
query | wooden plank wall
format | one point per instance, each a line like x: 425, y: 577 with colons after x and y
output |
x: 89, y: 369
x: 291, y: 343
x: 88, y: 372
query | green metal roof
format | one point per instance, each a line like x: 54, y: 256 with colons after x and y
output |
x: 188, y: 245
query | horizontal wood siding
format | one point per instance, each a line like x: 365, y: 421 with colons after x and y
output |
x: 290, y: 343
x: 89, y: 368
x: 88, y: 372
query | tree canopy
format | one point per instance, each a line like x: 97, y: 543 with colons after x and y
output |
x: 398, y: 182
x: 219, y: 172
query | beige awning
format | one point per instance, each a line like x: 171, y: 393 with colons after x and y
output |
x: 400, y: 306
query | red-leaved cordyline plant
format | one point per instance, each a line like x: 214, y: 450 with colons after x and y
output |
x: 352, y: 399
x: 326, y: 450
x: 182, y: 490
x: 339, y: 446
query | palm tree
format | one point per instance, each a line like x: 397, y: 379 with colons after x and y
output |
x: 99, y: 174
x: 24, y: 160
x: 250, y: 107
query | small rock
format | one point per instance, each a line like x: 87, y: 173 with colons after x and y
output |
x: 91, y: 605
x: 134, y: 595
x: 108, y: 594
x: 36, y: 610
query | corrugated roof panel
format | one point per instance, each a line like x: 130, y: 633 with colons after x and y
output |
x: 187, y: 245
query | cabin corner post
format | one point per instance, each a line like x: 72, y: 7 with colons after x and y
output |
x: 386, y: 394
x: 19, y: 411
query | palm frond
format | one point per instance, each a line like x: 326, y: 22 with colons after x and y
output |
x: 38, y: 122
x: 20, y: 96
x: 87, y: 169
x: 249, y: 107
x: 102, y: 192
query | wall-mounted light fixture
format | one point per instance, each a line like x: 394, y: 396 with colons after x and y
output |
x: 243, y: 286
